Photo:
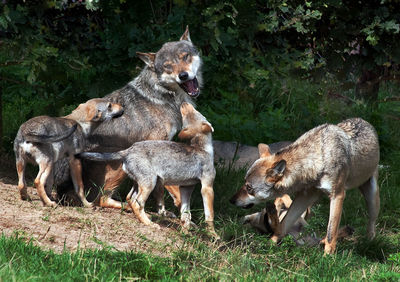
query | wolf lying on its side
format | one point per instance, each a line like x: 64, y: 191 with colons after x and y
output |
x: 44, y: 140
x: 268, y: 219
x: 171, y: 163
x: 327, y: 159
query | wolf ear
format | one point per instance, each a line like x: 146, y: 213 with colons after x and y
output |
x: 148, y: 58
x: 263, y: 150
x: 186, y: 108
x: 186, y: 35
x: 279, y: 168
x: 206, y: 127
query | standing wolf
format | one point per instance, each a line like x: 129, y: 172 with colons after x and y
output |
x: 328, y: 159
x: 151, y: 112
x: 44, y: 140
x: 158, y: 161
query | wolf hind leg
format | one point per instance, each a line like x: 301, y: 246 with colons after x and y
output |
x: 138, y: 201
x: 370, y: 191
x: 158, y: 194
x: 185, y: 194
x: 40, y: 182
x: 23, y: 191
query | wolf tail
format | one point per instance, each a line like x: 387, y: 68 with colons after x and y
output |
x: 50, y: 138
x: 94, y: 156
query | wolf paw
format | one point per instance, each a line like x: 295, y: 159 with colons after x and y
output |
x: 50, y: 204
x: 25, y: 197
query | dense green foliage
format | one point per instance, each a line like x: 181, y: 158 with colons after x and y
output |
x: 272, y: 70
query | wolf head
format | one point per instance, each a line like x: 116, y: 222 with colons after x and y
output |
x: 177, y: 65
x: 96, y: 110
x: 261, y: 179
x: 265, y: 221
x: 193, y: 122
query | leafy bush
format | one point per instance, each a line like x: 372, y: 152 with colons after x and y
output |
x: 272, y: 70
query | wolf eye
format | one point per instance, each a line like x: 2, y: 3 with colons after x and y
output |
x: 249, y: 190
x: 109, y: 107
x: 168, y: 66
x: 185, y: 57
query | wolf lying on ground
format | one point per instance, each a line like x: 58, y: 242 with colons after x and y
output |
x: 267, y: 221
x: 43, y: 140
x: 171, y: 163
x: 328, y: 159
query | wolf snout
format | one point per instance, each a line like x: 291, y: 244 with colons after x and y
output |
x: 183, y: 76
x: 119, y: 113
x: 236, y: 202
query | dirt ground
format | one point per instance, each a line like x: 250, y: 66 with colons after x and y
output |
x: 68, y: 227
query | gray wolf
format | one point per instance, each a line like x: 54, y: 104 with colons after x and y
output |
x: 328, y: 159
x: 151, y: 104
x: 230, y: 155
x: 267, y: 221
x: 43, y: 140
x: 171, y: 163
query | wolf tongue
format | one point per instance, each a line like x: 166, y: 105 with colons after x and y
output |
x: 191, y: 86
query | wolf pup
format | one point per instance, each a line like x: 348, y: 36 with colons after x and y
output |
x: 43, y: 140
x: 171, y: 163
x: 267, y: 221
x: 151, y: 112
x: 328, y: 159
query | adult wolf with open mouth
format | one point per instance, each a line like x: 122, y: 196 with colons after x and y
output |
x: 151, y: 112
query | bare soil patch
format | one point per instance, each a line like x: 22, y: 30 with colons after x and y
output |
x: 70, y: 228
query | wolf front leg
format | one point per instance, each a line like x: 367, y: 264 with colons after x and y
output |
x: 113, y: 177
x: 207, y: 193
x: 335, y: 213
x: 301, y: 202
x: 175, y: 192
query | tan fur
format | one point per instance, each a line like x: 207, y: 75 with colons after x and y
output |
x: 175, y: 193
x: 328, y: 159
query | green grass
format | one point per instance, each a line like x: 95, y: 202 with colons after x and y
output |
x: 242, y: 255
x: 22, y: 261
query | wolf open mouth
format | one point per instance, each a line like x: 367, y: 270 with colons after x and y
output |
x: 191, y: 87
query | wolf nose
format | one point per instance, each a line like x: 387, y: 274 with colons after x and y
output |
x: 183, y: 76
x: 232, y: 201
